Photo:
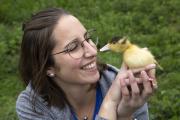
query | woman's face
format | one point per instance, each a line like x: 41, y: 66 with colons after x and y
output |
x: 69, y: 70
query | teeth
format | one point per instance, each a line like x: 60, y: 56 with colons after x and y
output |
x: 89, y: 66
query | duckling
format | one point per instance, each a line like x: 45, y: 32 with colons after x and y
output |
x: 133, y: 55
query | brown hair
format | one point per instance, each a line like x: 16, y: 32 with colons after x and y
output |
x: 35, y: 59
x: 36, y: 47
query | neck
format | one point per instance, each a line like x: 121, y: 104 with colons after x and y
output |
x: 133, y: 46
x: 83, y: 101
x: 122, y: 49
x: 79, y: 95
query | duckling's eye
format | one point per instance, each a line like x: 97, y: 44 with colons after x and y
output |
x: 115, y: 39
x: 113, y: 42
x: 124, y: 41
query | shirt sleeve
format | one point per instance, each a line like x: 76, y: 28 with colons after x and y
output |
x: 25, y: 111
x: 99, y: 118
x: 142, y: 113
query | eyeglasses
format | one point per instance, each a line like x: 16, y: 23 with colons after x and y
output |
x: 76, y: 48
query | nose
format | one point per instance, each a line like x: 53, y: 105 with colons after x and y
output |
x: 89, y: 50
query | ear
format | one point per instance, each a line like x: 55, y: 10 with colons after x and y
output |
x: 50, y: 72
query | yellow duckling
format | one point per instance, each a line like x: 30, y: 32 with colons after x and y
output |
x: 133, y: 55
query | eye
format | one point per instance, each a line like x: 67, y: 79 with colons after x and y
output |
x: 72, y: 46
x: 124, y: 41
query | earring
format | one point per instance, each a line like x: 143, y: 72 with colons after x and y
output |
x: 51, y: 75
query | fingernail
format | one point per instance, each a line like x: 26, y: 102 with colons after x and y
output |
x: 150, y: 79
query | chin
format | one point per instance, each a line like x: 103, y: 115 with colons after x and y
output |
x: 95, y: 78
x: 92, y: 78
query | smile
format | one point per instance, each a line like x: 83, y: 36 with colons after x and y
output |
x: 90, y: 66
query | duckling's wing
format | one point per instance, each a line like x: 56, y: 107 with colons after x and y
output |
x: 158, y: 65
x: 135, y: 58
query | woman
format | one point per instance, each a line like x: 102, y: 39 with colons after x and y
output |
x: 58, y: 64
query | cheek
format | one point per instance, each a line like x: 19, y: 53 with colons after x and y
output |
x: 68, y: 64
x: 77, y: 64
x: 72, y: 64
x: 68, y: 70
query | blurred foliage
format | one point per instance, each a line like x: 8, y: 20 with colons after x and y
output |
x: 149, y: 23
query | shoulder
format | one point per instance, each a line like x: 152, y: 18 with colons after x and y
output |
x: 25, y: 108
x: 110, y: 73
x: 26, y: 96
x: 39, y: 110
x: 24, y: 99
x: 107, y: 76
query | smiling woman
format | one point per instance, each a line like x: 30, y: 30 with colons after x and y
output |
x: 59, y: 66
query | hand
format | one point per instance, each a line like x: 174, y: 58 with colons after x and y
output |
x: 132, y: 96
x: 113, y: 98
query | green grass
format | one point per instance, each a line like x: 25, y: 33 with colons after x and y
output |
x: 149, y: 23
x: 10, y: 88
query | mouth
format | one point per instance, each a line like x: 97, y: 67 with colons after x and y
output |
x: 89, y: 66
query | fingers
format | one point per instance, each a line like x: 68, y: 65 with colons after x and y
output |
x: 135, y: 92
x: 147, y: 86
x: 144, y: 86
x: 124, y: 90
x: 148, y: 67
x: 123, y: 67
x: 129, y: 87
x: 151, y: 73
x: 123, y: 71
x: 138, y: 80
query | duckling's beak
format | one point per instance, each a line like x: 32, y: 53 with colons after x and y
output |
x: 105, y: 48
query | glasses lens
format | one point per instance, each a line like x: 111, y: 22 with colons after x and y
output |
x: 75, y: 50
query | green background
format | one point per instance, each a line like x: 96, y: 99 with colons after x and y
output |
x: 149, y: 23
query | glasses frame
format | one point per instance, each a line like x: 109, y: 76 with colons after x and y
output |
x: 81, y: 43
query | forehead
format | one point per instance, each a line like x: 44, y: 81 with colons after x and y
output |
x: 67, y: 29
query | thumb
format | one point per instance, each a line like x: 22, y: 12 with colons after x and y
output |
x: 124, y: 67
x: 114, y: 93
